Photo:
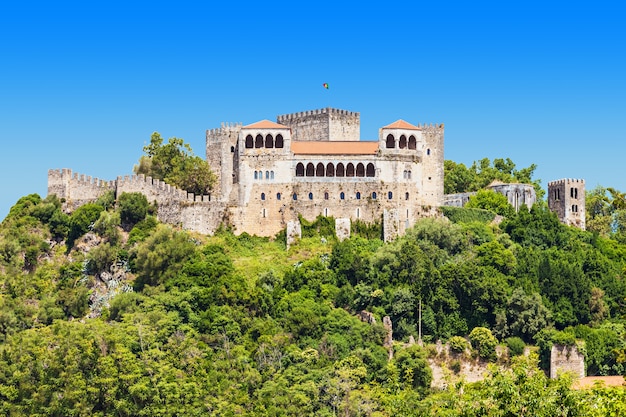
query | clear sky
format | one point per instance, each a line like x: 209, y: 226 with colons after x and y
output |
x: 84, y: 84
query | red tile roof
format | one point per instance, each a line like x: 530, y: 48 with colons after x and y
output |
x: 334, y: 148
x: 401, y: 124
x: 265, y: 124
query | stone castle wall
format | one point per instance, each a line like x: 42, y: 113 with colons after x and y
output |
x: 566, y: 359
x: 76, y: 189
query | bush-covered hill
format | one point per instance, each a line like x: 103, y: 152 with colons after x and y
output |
x: 107, y: 312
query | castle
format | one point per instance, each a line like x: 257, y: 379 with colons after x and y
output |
x: 309, y: 163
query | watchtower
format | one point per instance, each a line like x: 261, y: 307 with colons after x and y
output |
x: 566, y: 197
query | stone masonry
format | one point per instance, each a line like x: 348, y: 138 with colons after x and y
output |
x: 309, y: 163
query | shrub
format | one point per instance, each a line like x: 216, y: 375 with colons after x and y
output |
x: 133, y: 208
x: 458, y: 344
x: 516, y: 345
x: 484, y: 342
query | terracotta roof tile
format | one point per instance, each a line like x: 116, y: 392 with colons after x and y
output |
x: 401, y: 124
x: 265, y: 124
x: 334, y: 148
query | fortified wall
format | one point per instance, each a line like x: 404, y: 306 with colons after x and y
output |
x: 306, y: 164
x: 174, y: 206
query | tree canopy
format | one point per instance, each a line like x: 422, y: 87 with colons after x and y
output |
x: 175, y: 163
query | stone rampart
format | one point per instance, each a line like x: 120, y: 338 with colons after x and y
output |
x: 77, y: 189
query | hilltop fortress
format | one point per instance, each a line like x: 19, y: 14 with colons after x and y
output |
x: 309, y: 163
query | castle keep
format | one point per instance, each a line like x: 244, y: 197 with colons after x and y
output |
x: 309, y: 163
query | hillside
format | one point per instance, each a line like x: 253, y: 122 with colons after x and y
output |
x: 107, y: 312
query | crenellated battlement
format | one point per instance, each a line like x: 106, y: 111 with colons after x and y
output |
x: 566, y: 181
x: 286, y: 118
x: 225, y: 129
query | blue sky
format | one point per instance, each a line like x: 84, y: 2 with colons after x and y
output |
x: 84, y: 84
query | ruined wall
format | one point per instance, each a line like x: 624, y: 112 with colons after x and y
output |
x: 517, y: 194
x: 566, y: 197
x: 457, y: 200
x: 566, y: 359
x: 327, y: 124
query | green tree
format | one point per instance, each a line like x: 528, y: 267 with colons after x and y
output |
x: 484, y: 342
x: 490, y: 200
x: 133, y: 208
x: 175, y: 163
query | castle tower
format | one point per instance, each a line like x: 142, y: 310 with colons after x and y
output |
x: 566, y: 197
x: 327, y: 124
x: 222, y: 156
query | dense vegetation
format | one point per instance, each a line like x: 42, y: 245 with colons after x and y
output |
x: 107, y: 312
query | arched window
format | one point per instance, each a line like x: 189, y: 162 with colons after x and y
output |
x: 295, y: 196
x: 256, y: 175
x: 405, y: 175
x: 360, y: 170
x: 300, y: 170
x: 319, y: 170
x: 310, y: 196
x: 409, y: 174
x: 412, y: 142
x: 402, y: 143
x: 342, y: 196
x: 279, y: 141
x: 278, y: 196
x: 340, y: 170
x: 389, y: 195
x: 258, y: 141
x: 263, y: 196
x: 267, y: 175
x: 232, y: 149
x: 358, y: 195
x: 374, y: 195
x: 370, y: 172
x: 271, y: 175
x: 330, y: 170
x: 310, y: 170
x: 269, y: 141
x: 325, y: 195
x: 391, y: 142
x: 428, y: 151
x: 260, y: 175
x: 406, y: 196
x: 249, y: 142
x: 350, y: 170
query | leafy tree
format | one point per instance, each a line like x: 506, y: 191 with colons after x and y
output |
x: 133, y: 208
x: 81, y: 220
x: 525, y: 316
x: 459, y: 179
x: 175, y: 163
x: 490, y: 200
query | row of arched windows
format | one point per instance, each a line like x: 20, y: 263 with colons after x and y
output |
x: 403, y: 143
x: 264, y: 142
x: 342, y: 196
x: 258, y: 175
x: 329, y: 170
x: 406, y: 175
